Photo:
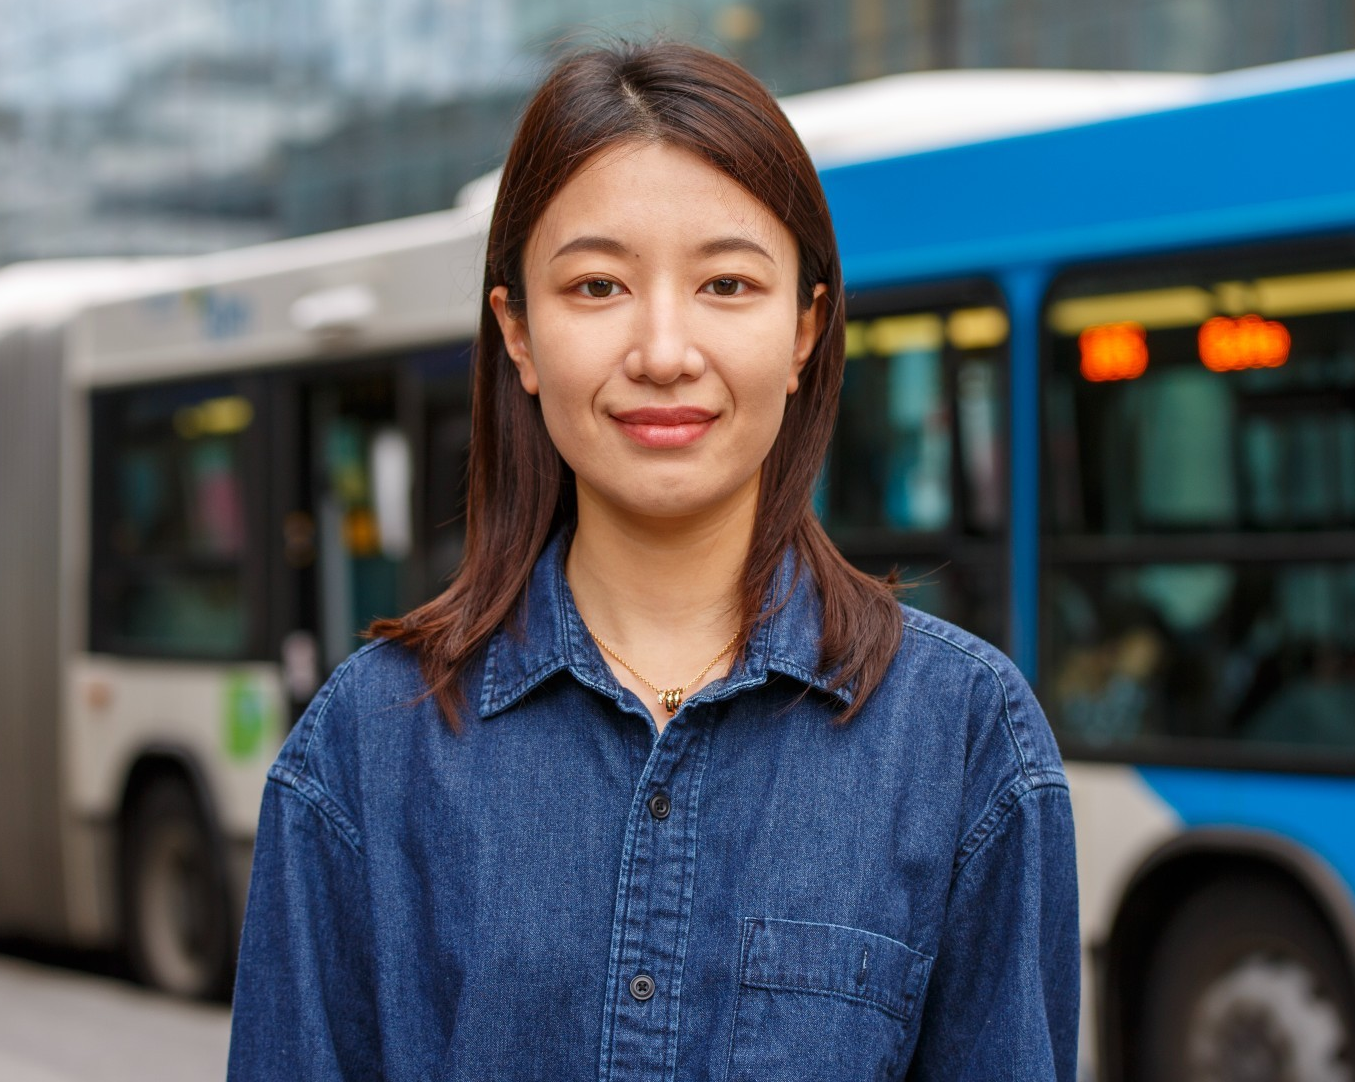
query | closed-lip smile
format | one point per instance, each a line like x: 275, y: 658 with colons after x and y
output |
x: 665, y: 426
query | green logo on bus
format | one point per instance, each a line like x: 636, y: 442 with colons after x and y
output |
x: 248, y: 717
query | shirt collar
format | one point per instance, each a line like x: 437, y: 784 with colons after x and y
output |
x: 549, y: 637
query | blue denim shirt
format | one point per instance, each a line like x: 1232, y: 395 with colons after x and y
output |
x: 560, y: 893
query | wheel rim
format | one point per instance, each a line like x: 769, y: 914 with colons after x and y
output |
x: 1268, y: 1019
x: 174, y: 909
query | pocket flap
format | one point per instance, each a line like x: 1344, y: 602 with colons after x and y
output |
x: 831, y: 959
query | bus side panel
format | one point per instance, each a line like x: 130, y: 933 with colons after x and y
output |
x: 219, y: 726
x: 1316, y: 812
x: 222, y: 721
x: 31, y: 896
x: 1121, y: 822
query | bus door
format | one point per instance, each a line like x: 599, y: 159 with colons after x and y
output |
x: 343, y: 472
x: 370, y: 502
x: 1198, y: 652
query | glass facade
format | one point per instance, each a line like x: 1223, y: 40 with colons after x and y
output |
x: 150, y: 127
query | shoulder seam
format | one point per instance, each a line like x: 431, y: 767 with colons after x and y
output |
x: 302, y: 783
x: 1001, y: 683
x: 324, y: 806
x: 334, y: 681
x: 1000, y: 808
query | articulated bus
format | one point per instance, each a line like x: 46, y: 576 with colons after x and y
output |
x: 1099, y: 408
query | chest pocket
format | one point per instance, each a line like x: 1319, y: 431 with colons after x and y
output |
x: 821, y: 1001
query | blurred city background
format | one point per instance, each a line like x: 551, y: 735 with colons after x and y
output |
x: 1099, y: 409
x: 146, y: 127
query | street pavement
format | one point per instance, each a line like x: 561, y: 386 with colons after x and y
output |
x: 58, y: 1025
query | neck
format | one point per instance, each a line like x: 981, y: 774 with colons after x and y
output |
x: 669, y: 583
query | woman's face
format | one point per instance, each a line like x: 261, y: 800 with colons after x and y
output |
x: 662, y: 331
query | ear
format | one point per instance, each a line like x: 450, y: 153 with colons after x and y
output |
x: 807, y: 332
x: 515, y: 338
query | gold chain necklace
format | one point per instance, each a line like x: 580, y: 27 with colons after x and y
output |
x: 669, y: 698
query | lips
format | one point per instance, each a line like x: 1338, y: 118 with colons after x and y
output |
x: 665, y: 426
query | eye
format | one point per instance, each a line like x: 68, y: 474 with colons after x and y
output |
x: 599, y: 288
x: 726, y: 287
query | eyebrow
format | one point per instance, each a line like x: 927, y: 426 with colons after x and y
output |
x: 611, y: 246
x: 725, y: 245
x: 602, y: 245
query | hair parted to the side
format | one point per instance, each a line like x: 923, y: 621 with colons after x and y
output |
x: 520, y: 491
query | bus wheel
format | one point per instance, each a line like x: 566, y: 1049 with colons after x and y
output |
x: 1247, y: 985
x: 176, y: 908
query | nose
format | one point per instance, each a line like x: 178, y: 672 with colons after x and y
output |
x: 663, y: 348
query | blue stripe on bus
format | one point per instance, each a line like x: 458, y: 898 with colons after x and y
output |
x: 1141, y: 236
x: 1318, y: 812
x: 1260, y: 166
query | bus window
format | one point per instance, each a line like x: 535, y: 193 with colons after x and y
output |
x: 915, y: 474
x: 172, y: 520
x: 1200, y: 522
x: 894, y: 431
x: 443, y: 381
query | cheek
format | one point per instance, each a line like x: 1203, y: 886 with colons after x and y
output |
x: 566, y: 394
x: 562, y: 400
x: 761, y: 399
x: 764, y: 367
x: 557, y: 369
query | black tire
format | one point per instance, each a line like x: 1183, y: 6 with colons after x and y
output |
x: 1246, y: 984
x: 176, y: 905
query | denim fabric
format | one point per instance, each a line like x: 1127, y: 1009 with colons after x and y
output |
x: 887, y: 899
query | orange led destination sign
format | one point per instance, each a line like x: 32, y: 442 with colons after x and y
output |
x: 1231, y: 345
x: 1113, y: 351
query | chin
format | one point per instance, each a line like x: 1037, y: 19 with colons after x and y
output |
x: 675, y: 503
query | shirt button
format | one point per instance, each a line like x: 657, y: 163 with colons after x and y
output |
x: 642, y: 986
x: 660, y: 806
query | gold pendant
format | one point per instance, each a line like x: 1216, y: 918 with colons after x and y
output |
x: 671, y: 699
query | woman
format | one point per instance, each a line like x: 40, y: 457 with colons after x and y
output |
x: 661, y: 787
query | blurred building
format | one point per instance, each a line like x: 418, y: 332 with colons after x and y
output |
x: 171, y: 126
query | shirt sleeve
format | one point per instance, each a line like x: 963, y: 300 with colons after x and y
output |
x: 1003, y: 998
x: 304, y: 1006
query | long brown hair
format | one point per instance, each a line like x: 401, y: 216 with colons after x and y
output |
x: 520, y: 491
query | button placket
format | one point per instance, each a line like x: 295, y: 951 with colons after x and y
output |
x: 653, y: 910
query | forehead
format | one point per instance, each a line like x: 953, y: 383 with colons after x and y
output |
x: 648, y: 193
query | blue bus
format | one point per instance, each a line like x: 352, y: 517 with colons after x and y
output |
x: 1100, y: 408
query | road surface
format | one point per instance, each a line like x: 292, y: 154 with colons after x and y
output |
x: 57, y: 1025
